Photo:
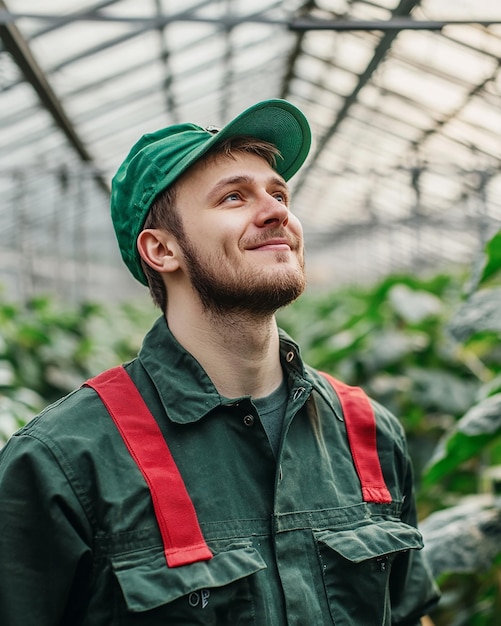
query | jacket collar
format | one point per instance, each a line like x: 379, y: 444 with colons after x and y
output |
x: 185, y: 389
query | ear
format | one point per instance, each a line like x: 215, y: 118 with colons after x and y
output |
x: 158, y: 249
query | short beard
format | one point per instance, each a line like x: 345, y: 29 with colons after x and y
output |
x: 243, y: 295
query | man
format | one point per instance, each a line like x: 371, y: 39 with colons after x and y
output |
x: 236, y: 496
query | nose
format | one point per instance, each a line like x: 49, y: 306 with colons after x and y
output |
x: 272, y: 212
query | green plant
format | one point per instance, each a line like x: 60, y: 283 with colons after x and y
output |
x: 464, y: 540
x: 47, y: 349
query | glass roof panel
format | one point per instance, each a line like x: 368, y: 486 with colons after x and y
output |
x: 406, y: 124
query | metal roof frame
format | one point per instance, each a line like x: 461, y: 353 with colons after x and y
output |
x: 374, y: 137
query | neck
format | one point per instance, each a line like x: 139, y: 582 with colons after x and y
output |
x: 239, y: 352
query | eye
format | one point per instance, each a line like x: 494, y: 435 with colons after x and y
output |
x: 232, y: 197
x: 281, y: 197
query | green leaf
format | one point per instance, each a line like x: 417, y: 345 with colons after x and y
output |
x: 463, y: 538
x: 485, y: 265
x: 414, y: 306
x: 441, y: 390
x: 450, y: 455
x: 483, y: 418
x: 475, y: 430
x: 493, y: 258
x: 481, y: 312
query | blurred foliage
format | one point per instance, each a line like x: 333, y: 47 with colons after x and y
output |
x: 47, y: 349
x: 427, y: 348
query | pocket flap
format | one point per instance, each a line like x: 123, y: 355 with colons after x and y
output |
x: 147, y: 582
x: 371, y: 540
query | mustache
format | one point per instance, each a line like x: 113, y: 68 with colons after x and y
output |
x: 293, y: 241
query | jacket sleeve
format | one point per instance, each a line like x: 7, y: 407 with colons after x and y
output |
x: 45, y: 538
x: 412, y: 587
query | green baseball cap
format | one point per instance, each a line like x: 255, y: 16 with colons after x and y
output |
x: 158, y: 159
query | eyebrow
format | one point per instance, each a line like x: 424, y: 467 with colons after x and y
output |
x: 242, y: 179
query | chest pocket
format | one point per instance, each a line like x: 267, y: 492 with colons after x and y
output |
x: 217, y: 592
x: 356, y: 565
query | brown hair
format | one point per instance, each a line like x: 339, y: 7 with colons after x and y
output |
x: 163, y: 213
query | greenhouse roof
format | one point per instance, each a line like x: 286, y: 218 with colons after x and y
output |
x: 404, y: 99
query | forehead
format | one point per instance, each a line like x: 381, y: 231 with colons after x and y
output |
x: 210, y: 169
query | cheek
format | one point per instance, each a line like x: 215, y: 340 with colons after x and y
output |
x: 295, y: 226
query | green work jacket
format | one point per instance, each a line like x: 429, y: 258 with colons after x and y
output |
x: 293, y: 542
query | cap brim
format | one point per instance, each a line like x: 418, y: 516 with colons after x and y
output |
x: 280, y: 123
x: 276, y: 121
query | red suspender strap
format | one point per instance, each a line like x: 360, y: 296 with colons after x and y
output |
x: 174, y: 510
x: 361, y: 430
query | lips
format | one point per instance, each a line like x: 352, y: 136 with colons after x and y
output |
x: 272, y: 244
x: 272, y: 241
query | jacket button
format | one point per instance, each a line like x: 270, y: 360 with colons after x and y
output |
x: 249, y: 420
x: 289, y: 356
x: 298, y: 393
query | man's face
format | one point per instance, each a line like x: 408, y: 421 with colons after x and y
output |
x: 242, y: 248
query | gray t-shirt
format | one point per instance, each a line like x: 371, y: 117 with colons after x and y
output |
x: 271, y: 411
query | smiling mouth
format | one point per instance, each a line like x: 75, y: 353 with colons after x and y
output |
x: 272, y: 244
